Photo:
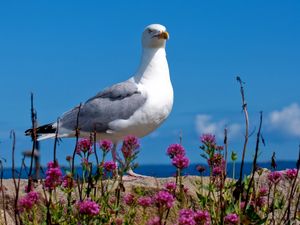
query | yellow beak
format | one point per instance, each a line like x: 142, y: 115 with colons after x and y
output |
x: 164, y: 35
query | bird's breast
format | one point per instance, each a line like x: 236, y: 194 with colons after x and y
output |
x: 158, y: 105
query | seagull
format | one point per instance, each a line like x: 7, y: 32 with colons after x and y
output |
x: 136, y: 106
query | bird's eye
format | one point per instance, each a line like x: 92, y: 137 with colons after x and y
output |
x: 150, y: 31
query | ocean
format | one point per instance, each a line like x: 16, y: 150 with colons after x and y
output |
x: 169, y: 170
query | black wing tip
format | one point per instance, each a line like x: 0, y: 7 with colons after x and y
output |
x: 45, y: 129
x: 28, y: 132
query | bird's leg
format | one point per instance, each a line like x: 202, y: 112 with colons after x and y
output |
x: 114, y: 152
x: 114, y: 156
x: 130, y: 172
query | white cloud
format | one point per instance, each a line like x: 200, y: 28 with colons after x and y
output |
x: 286, y: 120
x: 205, y: 124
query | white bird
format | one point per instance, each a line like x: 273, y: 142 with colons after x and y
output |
x: 134, y: 107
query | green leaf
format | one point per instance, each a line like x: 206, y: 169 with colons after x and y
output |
x: 254, y: 217
x: 202, y: 199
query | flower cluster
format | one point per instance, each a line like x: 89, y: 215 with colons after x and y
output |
x: 84, y: 146
x: 164, y: 199
x: 213, y: 155
x: 154, y: 221
x: 181, y: 162
x: 53, y: 176
x: 175, y: 150
x: 274, y: 177
x: 105, y: 145
x: 110, y: 166
x: 170, y: 186
x: 129, y: 199
x: 130, y: 146
x: 28, y: 201
x: 231, y: 219
x: 291, y: 174
x: 217, y: 163
x: 186, y: 217
x: 202, y: 217
x: 216, y: 160
x: 190, y: 217
x: 177, y: 153
x: 208, y: 139
x: 88, y: 207
x: 144, y: 201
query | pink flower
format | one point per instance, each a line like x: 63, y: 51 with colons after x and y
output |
x: 130, y: 146
x: 84, y: 145
x: 53, y: 176
x: 261, y: 201
x: 28, y: 201
x: 105, y: 145
x: 27, y: 189
x: 128, y: 199
x: 263, y: 191
x: 275, y: 177
x: 181, y: 162
x: 164, y: 199
x: 175, y: 150
x: 231, y: 219
x: 217, y: 171
x: 216, y: 160
x: 88, y: 207
x: 144, y: 201
x: 110, y: 166
x: 154, y: 221
x: 170, y: 186
x: 202, y: 217
x: 291, y: 173
x: 208, y: 139
x: 186, y: 217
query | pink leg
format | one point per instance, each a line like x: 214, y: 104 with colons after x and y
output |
x: 129, y: 172
x: 114, y: 152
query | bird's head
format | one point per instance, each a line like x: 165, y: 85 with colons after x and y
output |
x: 155, y: 36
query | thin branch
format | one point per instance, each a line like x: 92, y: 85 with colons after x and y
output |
x: 239, y: 187
x: 296, y: 207
x: 16, y: 212
x: 55, y: 142
x: 226, y: 149
x: 34, y: 140
x: 69, y: 198
x: 2, y: 192
x: 254, y: 165
x: 95, y: 145
x: 293, y: 190
x: 244, y: 106
x: 77, y: 137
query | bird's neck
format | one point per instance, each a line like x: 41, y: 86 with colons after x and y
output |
x: 153, y: 65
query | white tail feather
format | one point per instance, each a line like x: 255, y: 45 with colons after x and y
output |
x: 45, y: 136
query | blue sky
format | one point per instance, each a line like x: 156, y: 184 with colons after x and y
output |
x: 66, y: 51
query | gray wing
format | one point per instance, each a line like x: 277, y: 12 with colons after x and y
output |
x: 117, y: 102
